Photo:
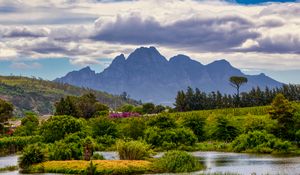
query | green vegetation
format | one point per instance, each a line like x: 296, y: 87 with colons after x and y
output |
x: 133, y: 150
x: 197, y: 100
x: 9, y: 168
x: 237, y: 82
x: 85, y: 106
x: 39, y: 96
x: 107, y: 167
x: 29, y: 125
x: 267, y: 129
x: 177, y: 162
x: 6, y: 112
x: 32, y: 154
x: 260, y: 142
x: 13, y: 144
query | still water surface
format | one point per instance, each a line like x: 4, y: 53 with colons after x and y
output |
x: 218, y: 162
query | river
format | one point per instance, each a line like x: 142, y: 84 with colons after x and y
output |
x: 219, y: 162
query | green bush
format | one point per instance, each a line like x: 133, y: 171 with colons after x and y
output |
x: 68, y: 149
x: 261, y: 142
x: 98, y: 156
x: 171, y: 138
x: 196, y: 124
x: 91, y: 169
x: 258, y: 122
x: 102, y: 126
x: 133, y: 150
x: 162, y: 121
x: 104, y: 142
x: 57, y: 127
x: 35, y: 153
x: 29, y: 125
x: 177, y: 162
x: 133, y: 128
x: 14, y: 144
x: 224, y: 130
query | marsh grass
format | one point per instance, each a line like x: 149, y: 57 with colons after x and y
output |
x: 133, y: 150
x: 177, y: 162
x: 108, y: 167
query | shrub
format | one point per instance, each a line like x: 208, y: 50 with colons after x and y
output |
x: 259, y: 123
x: 133, y: 128
x: 283, y: 111
x: 98, y: 156
x: 196, y: 124
x: 177, y: 162
x: 224, y: 130
x: 32, y: 154
x: 103, y: 126
x: 170, y: 139
x: 104, y: 142
x: 132, y: 150
x: 65, y: 150
x: 91, y: 169
x: 14, y: 144
x: 29, y: 125
x: 162, y: 121
x: 259, y: 141
x: 58, y: 126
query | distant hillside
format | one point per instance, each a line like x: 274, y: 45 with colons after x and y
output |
x: 148, y: 76
x: 40, y: 95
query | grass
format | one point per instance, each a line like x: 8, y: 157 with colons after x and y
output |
x: 9, y: 168
x: 102, y: 167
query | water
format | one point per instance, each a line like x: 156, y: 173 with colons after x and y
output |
x: 11, y: 160
x: 249, y: 163
x: 218, y: 162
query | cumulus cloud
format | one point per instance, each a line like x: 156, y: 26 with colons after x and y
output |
x: 214, y: 29
x: 17, y: 32
x: 208, y: 34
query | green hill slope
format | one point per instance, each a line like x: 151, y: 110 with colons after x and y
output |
x: 30, y: 94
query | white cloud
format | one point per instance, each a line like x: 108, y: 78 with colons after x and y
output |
x: 251, y: 37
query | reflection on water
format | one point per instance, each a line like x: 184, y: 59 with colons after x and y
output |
x: 10, y: 160
x: 248, y: 163
x: 217, y: 162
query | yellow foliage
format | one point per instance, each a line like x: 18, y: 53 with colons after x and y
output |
x: 102, y: 166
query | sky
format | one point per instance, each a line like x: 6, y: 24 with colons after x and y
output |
x: 48, y: 38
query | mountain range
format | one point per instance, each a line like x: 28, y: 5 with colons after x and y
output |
x: 148, y: 76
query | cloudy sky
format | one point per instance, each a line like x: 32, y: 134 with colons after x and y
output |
x: 48, y: 38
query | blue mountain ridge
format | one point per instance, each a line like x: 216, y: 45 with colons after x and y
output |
x: 148, y: 76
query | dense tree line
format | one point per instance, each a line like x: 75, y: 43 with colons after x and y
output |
x: 197, y: 100
x: 85, y: 106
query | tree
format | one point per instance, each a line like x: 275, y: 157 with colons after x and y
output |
x: 57, y: 127
x: 85, y: 106
x: 283, y: 111
x: 148, y: 108
x: 29, y: 125
x: 196, y: 123
x: 6, y: 112
x: 180, y: 104
x: 102, y: 126
x: 237, y: 82
x: 224, y: 131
